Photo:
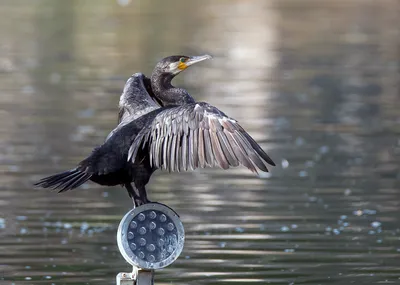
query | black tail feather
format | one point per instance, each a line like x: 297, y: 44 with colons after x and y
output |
x: 65, y: 180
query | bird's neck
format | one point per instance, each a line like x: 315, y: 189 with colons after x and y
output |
x: 167, y: 93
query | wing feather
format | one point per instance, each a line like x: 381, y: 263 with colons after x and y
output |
x: 201, y: 149
x: 185, y: 146
x: 208, y: 148
x: 173, y: 161
x: 250, y: 152
x: 165, y: 151
x: 227, y: 149
x: 241, y: 156
x: 178, y: 152
x: 218, y: 152
x: 198, y: 135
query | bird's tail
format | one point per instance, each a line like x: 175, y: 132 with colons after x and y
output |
x: 65, y: 180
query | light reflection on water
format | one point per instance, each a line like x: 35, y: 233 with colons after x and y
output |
x: 316, y: 85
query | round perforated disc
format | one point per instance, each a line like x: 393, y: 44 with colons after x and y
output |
x: 151, y: 236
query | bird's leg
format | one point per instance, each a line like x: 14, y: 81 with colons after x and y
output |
x: 132, y: 193
x: 143, y: 195
x: 133, y: 202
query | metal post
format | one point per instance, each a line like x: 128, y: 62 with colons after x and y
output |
x: 145, y: 277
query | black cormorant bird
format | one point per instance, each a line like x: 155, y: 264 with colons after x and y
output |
x: 107, y: 164
x: 162, y: 126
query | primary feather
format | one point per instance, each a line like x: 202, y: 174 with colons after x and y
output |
x: 197, y: 135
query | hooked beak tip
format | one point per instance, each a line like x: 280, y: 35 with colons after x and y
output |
x: 208, y: 56
x: 195, y: 59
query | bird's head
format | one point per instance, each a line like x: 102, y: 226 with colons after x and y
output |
x: 177, y: 63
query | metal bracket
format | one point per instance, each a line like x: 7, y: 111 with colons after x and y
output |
x: 124, y: 278
x: 136, y: 277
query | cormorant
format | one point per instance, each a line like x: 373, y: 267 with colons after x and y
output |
x: 107, y: 164
x: 162, y: 126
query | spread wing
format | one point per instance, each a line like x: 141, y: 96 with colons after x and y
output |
x: 137, y: 98
x: 198, y: 135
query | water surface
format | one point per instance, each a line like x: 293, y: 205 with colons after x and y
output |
x: 317, y: 84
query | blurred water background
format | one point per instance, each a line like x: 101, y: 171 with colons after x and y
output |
x: 315, y: 82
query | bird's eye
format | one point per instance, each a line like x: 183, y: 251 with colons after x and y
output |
x: 183, y: 59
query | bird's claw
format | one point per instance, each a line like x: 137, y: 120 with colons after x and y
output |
x: 139, y: 202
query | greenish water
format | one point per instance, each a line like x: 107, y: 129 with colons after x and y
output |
x: 317, y: 84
